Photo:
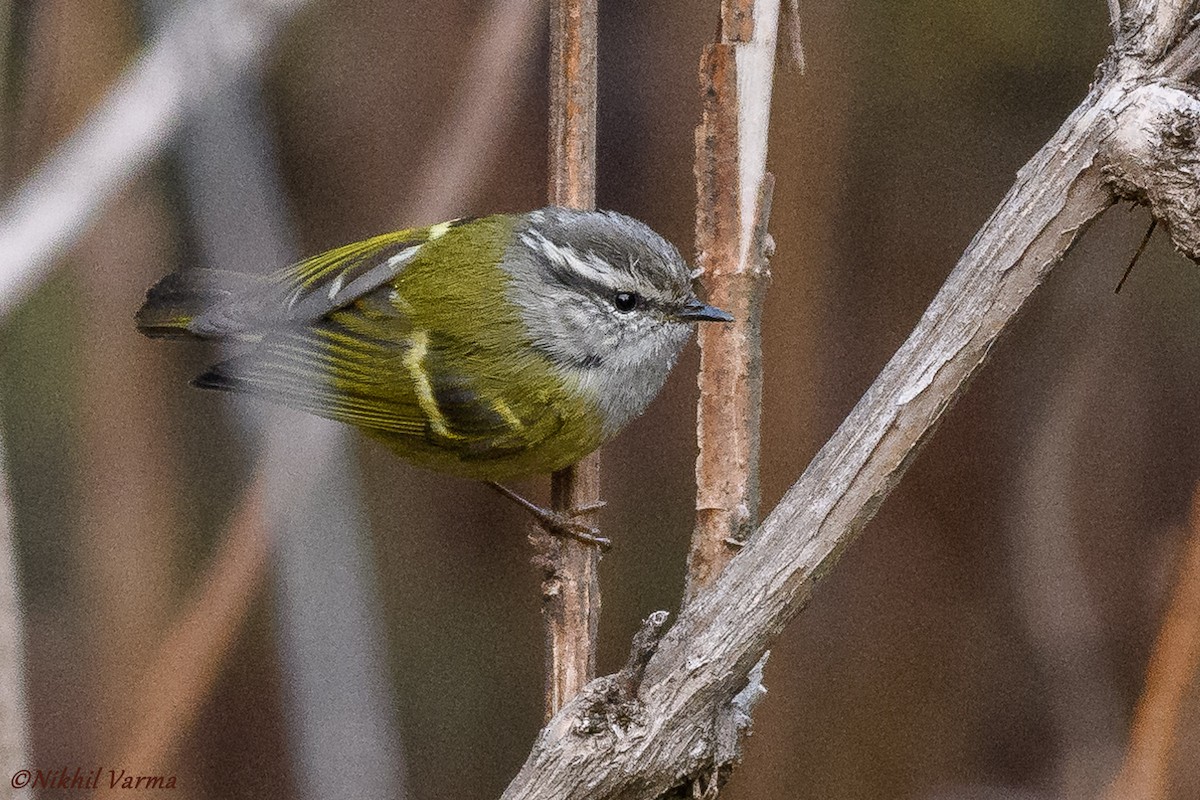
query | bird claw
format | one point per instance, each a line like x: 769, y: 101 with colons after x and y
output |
x: 564, y: 525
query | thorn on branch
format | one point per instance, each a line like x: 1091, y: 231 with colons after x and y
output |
x: 1136, y: 255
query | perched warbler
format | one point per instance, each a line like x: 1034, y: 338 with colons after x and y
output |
x: 489, y: 348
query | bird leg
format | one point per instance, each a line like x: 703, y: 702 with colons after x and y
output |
x: 559, y: 523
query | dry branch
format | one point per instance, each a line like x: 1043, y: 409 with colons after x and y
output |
x: 705, y: 660
x: 732, y: 211
x: 571, y: 586
x: 1159, y: 165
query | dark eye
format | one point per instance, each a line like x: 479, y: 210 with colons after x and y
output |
x: 626, y: 301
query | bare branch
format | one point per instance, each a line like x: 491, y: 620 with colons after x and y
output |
x: 201, y: 48
x: 703, y: 661
x: 1155, y: 25
x: 732, y: 213
x: 571, y: 590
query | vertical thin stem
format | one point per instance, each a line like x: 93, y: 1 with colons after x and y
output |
x: 733, y: 208
x: 1173, y: 666
x: 571, y: 590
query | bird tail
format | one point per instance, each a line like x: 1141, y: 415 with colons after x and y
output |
x: 175, y: 306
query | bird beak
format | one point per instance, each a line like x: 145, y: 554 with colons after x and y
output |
x: 696, y: 311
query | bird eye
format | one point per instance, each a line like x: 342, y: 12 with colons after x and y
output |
x: 625, y: 301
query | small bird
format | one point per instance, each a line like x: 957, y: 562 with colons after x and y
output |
x: 491, y: 348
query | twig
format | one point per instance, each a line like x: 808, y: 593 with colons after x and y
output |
x: 571, y: 589
x: 1173, y: 667
x: 203, y: 46
x: 13, y: 721
x: 645, y: 642
x: 732, y: 213
x: 573, y: 103
x: 696, y: 671
x: 1136, y: 255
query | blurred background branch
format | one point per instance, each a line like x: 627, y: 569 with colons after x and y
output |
x: 14, y: 727
x: 1054, y: 590
x: 181, y: 677
x: 1170, y: 676
x: 204, y: 45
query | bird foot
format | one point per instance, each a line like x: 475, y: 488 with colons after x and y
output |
x: 559, y: 523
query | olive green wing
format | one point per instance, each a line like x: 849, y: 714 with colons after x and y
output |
x: 212, y: 304
x: 367, y: 366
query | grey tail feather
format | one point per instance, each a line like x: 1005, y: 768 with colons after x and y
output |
x: 174, y: 302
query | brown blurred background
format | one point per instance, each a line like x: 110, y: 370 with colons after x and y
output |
x: 987, y: 638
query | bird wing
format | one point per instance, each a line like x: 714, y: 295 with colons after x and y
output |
x: 305, y: 292
x: 346, y: 350
x: 405, y: 386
